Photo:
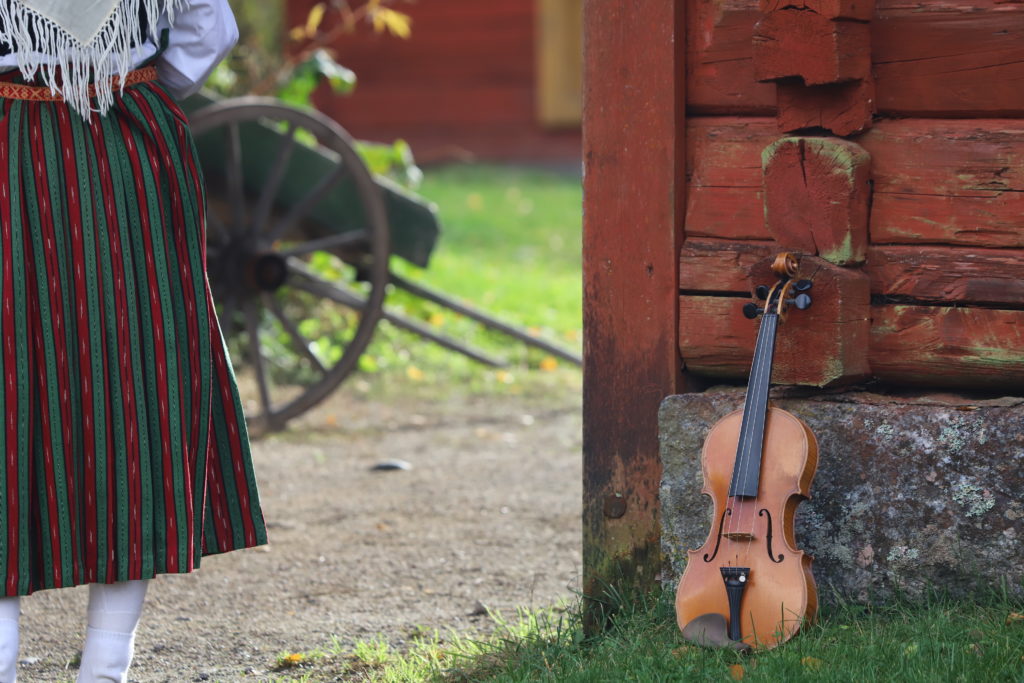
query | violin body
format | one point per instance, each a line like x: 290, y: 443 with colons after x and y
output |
x: 755, y: 533
x: 750, y: 578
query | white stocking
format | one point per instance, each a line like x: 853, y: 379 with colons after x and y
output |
x: 10, y: 609
x: 114, y: 611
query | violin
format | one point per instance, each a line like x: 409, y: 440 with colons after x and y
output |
x: 749, y: 587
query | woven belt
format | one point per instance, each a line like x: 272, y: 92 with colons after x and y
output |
x: 42, y: 93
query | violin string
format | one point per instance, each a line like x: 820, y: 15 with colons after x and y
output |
x: 744, y: 456
x: 763, y: 381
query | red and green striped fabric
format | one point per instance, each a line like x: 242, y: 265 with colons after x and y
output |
x: 126, y: 451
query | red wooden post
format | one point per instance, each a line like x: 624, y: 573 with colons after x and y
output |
x: 633, y: 212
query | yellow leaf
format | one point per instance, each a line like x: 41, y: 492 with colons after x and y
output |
x: 315, y: 18
x: 293, y: 659
x: 1014, y: 618
x: 736, y: 671
x: 911, y: 649
x: 549, y: 364
x: 397, y: 23
x: 297, y: 33
x: 505, y: 377
x: 331, y: 420
x: 812, y: 663
x: 414, y: 373
x: 436, y: 319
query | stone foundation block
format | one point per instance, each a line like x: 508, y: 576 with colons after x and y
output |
x: 910, y: 492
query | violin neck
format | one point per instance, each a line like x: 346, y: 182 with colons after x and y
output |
x: 746, y: 471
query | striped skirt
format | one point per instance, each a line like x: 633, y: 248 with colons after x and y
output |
x: 125, y: 447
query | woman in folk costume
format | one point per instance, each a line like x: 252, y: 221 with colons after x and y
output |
x: 125, y: 450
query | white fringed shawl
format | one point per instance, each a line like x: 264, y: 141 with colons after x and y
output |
x: 82, y: 40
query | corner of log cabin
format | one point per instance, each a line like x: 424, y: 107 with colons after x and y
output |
x: 943, y: 124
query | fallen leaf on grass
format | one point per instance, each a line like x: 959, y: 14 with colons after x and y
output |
x: 911, y: 649
x: 682, y: 651
x: 549, y: 364
x: 414, y: 373
x: 812, y: 663
x: 736, y: 671
x: 1014, y: 618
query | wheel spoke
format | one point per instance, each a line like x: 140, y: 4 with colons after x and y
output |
x: 314, y: 284
x: 252, y: 326
x: 345, y: 239
x: 273, y: 184
x: 301, y: 344
x: 236, y: 190
x: 306, y: 204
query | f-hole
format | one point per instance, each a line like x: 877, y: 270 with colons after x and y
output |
x: 768, y: 536
x: 718, y: 541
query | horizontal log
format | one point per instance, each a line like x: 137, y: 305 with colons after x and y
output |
x: 942, y: 274
x: 931, y: 58
x: 725, y: 197
x: 935, y: 181
x: 953, y: 347
x: 824, y: 345
x: 707, y: 265
x: 992, y: 277
x: 947, y: 347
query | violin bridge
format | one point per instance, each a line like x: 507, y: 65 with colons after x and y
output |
x: 739, y: 536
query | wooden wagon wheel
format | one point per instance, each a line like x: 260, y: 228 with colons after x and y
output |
x: 262, y: 243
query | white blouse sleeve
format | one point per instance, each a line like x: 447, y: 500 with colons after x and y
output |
x: 202, y: 35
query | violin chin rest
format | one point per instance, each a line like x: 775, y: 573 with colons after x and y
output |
x: 712, y: 630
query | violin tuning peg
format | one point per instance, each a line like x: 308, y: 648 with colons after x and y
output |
x: 751, y: 311
x: 761, y: 292
x: 803, y: 285
x: 802, y: 301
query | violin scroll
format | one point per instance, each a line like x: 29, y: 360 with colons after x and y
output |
x: 781, y: 295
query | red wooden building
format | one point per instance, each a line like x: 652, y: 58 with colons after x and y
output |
x: 883, y: 140
x: 499, y: 79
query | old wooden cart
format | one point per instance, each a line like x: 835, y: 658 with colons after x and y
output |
x: 286, y: 187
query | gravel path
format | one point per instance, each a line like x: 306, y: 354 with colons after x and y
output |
x: 487, y: 516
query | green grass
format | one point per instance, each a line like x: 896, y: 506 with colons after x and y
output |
x: 930, y: 639
x: 511, y: 245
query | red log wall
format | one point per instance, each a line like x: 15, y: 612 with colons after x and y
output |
x: 946, y: 151
x: 462, y: 85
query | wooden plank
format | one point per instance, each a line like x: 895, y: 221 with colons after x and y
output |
x: 935, y: 181
x: 825, y: 345
x: 931, y: 58
x: 948, y: 347
x: 720, y: 68
x: 725, y: 198
x: 634, y: 162
x: 947, y: 182
x: 708, y: 265
x: 796, y: 43
x: 841, y: 108
x: 945, y: 274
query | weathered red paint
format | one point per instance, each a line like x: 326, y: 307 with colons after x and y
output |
x: 948, y: 274
x: 462, y: 86
x: 862, y: 10
x: 935, y: 181
x: 816, y: 196
x: 931, y: 58
x: 633, y: 156
x: 842, y: 108
x: 976, y: 348
x: 829, y: 341
x: 793, y: 42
